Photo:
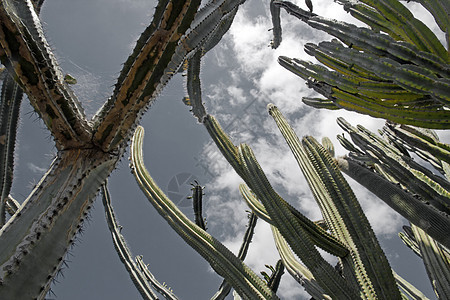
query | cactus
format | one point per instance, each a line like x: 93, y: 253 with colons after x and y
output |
x: 411, y: 79
x: 367, y: 271
x: 426, y: 197
x: 11, y: 98
x: 139, y: 272
x: 225, y: 287
x: 402, y: 76
x: 88, y: 151
x: 225, y: 263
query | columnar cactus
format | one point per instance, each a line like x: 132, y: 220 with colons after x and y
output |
x: 409, y: 188
x: 400, y: 74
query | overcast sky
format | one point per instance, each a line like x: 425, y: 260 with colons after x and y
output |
x: 240, y: 77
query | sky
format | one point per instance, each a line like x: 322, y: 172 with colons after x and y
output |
x: 91, y: 40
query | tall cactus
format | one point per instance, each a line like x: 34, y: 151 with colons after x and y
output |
x: 46, y: 222
x: 365, y: 268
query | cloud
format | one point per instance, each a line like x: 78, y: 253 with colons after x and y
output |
x: 35, y: 169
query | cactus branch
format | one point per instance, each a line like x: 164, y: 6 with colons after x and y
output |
x: 140, y: 278
x: 225, y: 263
x: 419, y: 213
x: 28, y: 56
x: 10, y: 101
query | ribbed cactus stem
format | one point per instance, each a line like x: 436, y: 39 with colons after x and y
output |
x: 39, y: 74
x: 144, y: 74
x: 417, y: 212
x: 273, y: 281
x: 35, y: 240
x: 197, y: 202
x: 224, y: 262
x: 140, y: 278
x: 225, y: 287
x: 10, y: 101
x: 297, y: 270
x: 436, y: 262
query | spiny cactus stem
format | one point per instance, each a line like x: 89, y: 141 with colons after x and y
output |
x: 145, y: 78
x: 36, y: 238
x: 219, y: 257
x: 27, y: 55
x: 122, y: 249
x: 417, y: 212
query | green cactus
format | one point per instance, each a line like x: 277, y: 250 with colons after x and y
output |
x: 408, y: 85
x: 426, y: 197
x: 225, y: 287
x: 402, y: 76
x: 11, y: 98
x: 225, y: 263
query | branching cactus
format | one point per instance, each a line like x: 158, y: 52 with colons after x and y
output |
x: 408, y: 85
x: 397, y: 69
x: 411, y: 189
x: 364, y: 270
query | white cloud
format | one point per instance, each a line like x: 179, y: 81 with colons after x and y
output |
x: 36, y: 169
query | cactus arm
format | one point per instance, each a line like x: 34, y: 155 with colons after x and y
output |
x: 418, y: 179
x: 146, y: 76
x: 319, y: 236
x: 419, y: 213
x: 416, y: 139
x: 297, y: 270
x: 273, y: 281
x: 27, y: 55
x: 276, y: 23
x: 225, y: 287
x: 197, y: 197
x: 291, y: 229
x: 220, y: 258
x: 193, y: 84
x: 10, y: 100
x: 12, y: 206
x: 369, y: 262
x: 408, y: 288
x: 252, y: 202
x: 35, y: 240
x: 436, y: 263
x: 163, y: 289
x: 320, y: 103
x: 122, y: 249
